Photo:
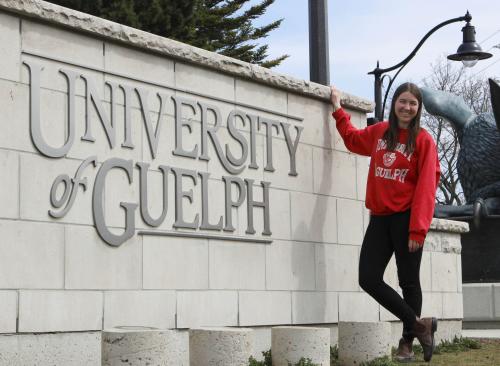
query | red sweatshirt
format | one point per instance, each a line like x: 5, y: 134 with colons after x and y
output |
x: 397, y: 181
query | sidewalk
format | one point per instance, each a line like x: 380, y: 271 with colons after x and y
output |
x: 481, y: 333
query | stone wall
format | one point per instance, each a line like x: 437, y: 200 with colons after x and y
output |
x: 103, y: 91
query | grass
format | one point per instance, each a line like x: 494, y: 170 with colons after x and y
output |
x: 458, y: 352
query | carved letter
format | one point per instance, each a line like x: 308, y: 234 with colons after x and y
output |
x: 269, y: 140
x: 230, y: 204
x: 143, y: 183
x: 205, y: 225
x: 292, y: 146
x: 179, y: 123
x: 180, y: 194
x: 95, y: 99
x: 35, y: 128
x: 98, y: 207
x: 238, y: 136
x: 251, y: 204
x: 152, y: 136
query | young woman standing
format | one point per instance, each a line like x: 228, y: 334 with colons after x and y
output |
x: 400, y: 193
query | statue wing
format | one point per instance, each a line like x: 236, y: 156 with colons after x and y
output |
x: 447, y: 105
x: 495, y: 100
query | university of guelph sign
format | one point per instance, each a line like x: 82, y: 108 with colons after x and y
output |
x: 237, y: 190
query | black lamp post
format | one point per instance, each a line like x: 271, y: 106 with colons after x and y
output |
x: 469, y: 53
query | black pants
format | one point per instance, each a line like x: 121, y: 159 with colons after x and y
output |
x: 384, y: 236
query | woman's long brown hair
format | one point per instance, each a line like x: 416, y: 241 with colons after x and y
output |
x: 391, y: 135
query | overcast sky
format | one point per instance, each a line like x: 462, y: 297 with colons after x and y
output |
x: 362, y: 32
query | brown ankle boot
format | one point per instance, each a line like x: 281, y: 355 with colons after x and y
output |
x: 405, y: 350
x: 424, y: 331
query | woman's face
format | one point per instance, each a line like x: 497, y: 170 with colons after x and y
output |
x: 406, y: 109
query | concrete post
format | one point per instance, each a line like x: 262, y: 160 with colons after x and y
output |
x: 220, y: 346
x: 290, y: 344
x: 139, y: 346
x: 363, y: 341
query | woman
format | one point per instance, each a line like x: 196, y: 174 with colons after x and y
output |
x: 400, y: 194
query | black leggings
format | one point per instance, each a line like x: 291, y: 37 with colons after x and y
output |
x: 386, y: 235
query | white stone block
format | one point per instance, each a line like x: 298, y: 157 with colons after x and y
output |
x: 319, y: 125
x: 337, y: 267
x: 264, y: 308
x: 207, y: 308
x: 358, y: 307
x: 220, y: 346
x: 313, y: 218
x: 290, y: 344
x: 140, y: 346
x: 444, y: 272
x: 426, y: 272
x: 60, y: 311
x: 315, y: 307
x: 258, y: 95
x: 280, y: 214
x: 8, y: 312
x: 35, y: 198
x: 363, y: 342
x: 448, y: 330
x: 451, y: 243
x: 453, y: 306
x: 432, y: 304
x: 432, y: 241
x: 128, y: 62
x: 350, y: 221
x: 68, y: 349
x: 459, y: 273
x: 157, y: 309
x: 175, y: 263
x: 478, y: 302
x: 14, y: 101
x: 290, y: 266
x: 204, y: 81
x: 92, y: 264
x: 234, y: 265
x: 362, y: 167
x: 9, y: 184
x: 496, y: 299
x: 10, y: 47
x: 31, y: 255
x: 53, y: 42
x: 280, y: 178
x: 334, y: 173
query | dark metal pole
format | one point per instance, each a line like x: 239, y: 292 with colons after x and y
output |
x: 318, y: 42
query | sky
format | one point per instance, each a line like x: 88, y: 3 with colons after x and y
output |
x: 362, y: 32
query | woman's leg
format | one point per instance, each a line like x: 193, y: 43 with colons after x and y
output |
x: 408, y: 265
x: 376, y: 252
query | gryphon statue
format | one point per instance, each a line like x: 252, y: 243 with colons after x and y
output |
x: 478, y: 163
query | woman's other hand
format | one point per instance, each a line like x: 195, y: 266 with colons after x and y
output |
x: 413, y: 246
x: 335, y: 98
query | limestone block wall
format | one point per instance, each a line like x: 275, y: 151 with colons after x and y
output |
x: 87, y: 103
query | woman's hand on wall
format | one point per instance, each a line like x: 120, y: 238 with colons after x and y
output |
x: 335, y: 98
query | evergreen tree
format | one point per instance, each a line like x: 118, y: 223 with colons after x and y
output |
x: 216, y: 25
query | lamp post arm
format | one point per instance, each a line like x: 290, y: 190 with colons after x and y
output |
x: 377, y: 72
